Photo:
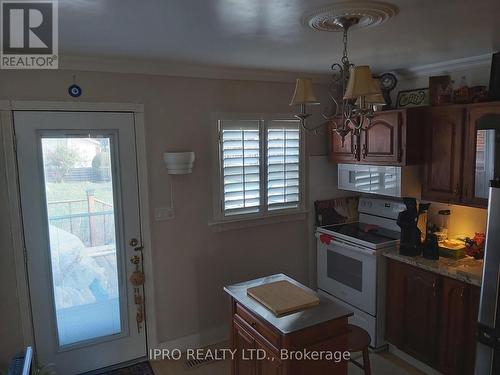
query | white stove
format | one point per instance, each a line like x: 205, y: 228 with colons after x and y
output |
x: 351, y: 269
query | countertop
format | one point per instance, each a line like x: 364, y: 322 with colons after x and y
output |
x: 466, y: 269
x: 325, y: 311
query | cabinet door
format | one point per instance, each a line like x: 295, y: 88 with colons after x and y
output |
x: 444, y: 146
x: 244, y: 345
x: 394, y: 301
x: 381, y: 140
x: 482, y: 155
x: 348, y: 152
x: 271, y: 365
x: 452, y: 335
x: 419, y: 310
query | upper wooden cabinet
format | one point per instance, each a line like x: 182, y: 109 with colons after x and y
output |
x: 463, y: 153
x: 482, y: 152
x: 392, y: 138
x: 381, y: 139
x: 343, y: 153
x: 443, y: 150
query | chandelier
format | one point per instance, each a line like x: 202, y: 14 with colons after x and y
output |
x: 354, y: 94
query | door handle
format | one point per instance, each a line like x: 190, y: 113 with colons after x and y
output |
x: 139, y: 248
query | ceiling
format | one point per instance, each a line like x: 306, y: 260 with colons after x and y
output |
x: 268, y: 34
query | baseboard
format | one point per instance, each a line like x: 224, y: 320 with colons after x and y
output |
x: 198, y: 340
x: 412, y: 361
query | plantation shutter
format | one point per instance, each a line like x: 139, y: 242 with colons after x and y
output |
x: 240, y: 153
x: 283, y: 164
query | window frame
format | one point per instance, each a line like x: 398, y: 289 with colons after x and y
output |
x: 218, y: 175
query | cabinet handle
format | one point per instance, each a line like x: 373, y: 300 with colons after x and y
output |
x: 355, y: 152
x: 364, y: 151
x: 457, y: 190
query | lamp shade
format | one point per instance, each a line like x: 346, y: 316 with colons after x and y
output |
x: 361, y: 83
x: 378, y: 98
x: 304, y: 93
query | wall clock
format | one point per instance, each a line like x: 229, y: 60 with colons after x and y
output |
x: 388, y: 82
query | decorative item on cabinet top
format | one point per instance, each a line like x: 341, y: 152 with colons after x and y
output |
x: 494, y: 92
x: 440, y: 90
x: 388, y: 82
x: 413, y: 98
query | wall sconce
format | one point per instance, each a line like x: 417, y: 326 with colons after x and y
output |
x: 179, y: 162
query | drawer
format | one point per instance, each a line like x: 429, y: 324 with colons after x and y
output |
x: 271, y: 336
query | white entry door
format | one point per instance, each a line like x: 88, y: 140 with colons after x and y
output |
x: 81, y: 219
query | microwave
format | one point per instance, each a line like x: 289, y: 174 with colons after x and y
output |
x: 386, y: 180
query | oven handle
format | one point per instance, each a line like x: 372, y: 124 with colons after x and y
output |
x: 345, y: 245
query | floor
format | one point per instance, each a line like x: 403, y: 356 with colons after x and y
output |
x: 381, y: 364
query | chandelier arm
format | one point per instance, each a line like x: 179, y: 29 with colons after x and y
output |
x: 313, y: 128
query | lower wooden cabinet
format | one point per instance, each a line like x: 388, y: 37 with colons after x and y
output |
x: 245, y: 344
x: 258, y: 346
x: 412, y: 311
x: 432, y: 318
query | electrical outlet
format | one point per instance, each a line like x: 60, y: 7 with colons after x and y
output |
x: 164, y: 213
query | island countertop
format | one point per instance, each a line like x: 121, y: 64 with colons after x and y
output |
x: 326, y: 310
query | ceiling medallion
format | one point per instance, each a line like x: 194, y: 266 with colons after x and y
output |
x: 368, y: 13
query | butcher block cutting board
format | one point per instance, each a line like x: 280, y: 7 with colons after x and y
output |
x: 283, y: 297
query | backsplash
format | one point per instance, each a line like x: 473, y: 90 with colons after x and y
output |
x: 463, y: 220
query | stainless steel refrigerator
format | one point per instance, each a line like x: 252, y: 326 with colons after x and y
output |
x: 488, y: 346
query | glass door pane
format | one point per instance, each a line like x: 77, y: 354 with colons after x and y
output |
x: 81, y: 219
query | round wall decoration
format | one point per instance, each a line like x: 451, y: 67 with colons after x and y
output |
x: 74, y: 90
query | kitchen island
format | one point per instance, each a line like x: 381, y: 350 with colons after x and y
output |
x: 312, y: 341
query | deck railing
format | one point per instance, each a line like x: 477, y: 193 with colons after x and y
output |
x: 91, y: 219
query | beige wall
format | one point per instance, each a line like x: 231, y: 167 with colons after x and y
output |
x: 191, y: 262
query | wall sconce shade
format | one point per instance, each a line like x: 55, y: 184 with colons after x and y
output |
x: 361, y: 83
x: 304, y: 93
x: 179, y: 162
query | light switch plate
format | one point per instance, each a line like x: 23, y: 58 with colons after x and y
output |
x: 164, y: 213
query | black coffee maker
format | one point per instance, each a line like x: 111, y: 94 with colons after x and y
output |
x: 411, y: 243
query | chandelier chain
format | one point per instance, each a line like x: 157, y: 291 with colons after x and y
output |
x: 345, y: 59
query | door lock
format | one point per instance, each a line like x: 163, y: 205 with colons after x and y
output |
x: 133, y: 242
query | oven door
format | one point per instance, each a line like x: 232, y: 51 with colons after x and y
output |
x: 348, y: 272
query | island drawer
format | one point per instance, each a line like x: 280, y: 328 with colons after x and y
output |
x: 260, y: 327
